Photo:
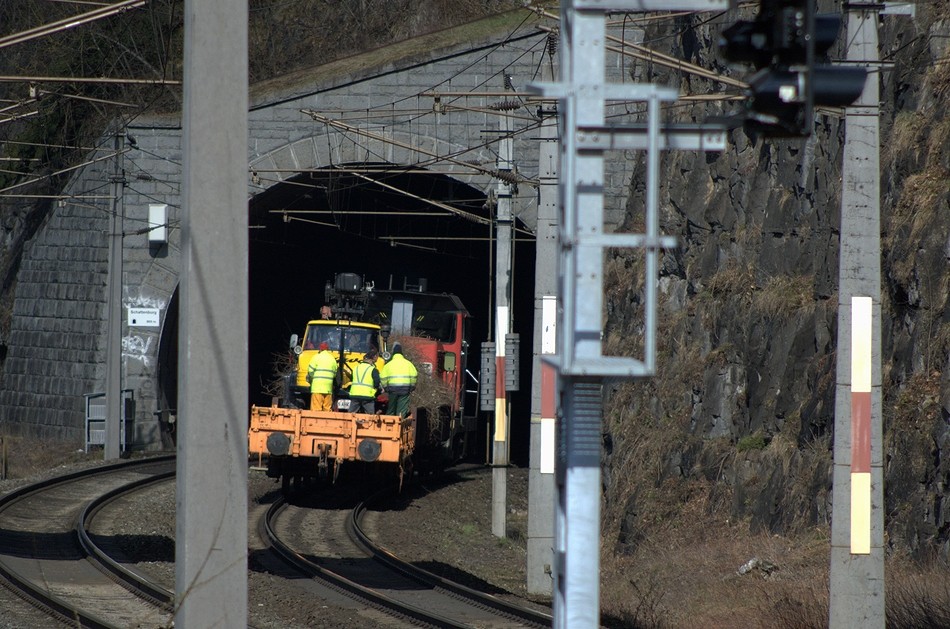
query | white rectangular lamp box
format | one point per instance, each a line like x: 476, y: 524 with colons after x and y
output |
x: 157, y: 223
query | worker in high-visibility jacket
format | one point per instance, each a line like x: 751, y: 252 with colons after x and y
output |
x: 321, y: 373
x: 365, y: 384
x: 398, y: 377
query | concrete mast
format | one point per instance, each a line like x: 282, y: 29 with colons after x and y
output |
x: 211, y: 535
x: 112, y: 448
x: 541, y: 487
x: 857, y: 524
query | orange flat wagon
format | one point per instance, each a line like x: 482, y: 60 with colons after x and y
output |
x: 303, y: 444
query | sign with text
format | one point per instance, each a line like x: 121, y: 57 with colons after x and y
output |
x: 144, y: 317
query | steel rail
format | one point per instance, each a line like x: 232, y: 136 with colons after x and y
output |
x: 134, y: 581
x: 44, y: 600
x: 425, y: 577
x: 351, y: 588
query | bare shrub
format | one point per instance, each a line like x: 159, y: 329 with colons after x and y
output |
x: 801, y: 605
x: 283, y: 364
x: 643, y: 608
x: 431, y: 394
x: 918, y: 595
x: 289, y: 36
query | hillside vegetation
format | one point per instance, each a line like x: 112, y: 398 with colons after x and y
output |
x: 718, y: 470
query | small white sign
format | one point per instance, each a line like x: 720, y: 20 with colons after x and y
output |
x: 144, y: 317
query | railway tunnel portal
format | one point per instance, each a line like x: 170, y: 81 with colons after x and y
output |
x: 382, y: 164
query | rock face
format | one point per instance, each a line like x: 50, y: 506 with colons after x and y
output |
x: 742, y: 407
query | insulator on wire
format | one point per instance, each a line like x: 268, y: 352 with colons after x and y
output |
x: 552, y: 43
x: 508, y: 84
x: 508, y: 176
x: 505, y: 105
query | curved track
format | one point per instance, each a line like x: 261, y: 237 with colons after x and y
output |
x: 47, y: 553
x: 326, y: 542
x: 43, y: 556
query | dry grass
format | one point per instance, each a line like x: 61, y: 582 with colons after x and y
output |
x: 905, y: 135
x: 734, y: 280
x: 784, y: 297
x: 706, y: 571
x: 24, y: 457
x: 918, y: 594
x: 908, y: 427
x: 916, y: 222
x: 938, y: 79
x: 688, y: 575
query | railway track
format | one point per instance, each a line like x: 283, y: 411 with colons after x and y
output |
x: 50, y: 563
x: 91, y: 575
x: 326, y: 541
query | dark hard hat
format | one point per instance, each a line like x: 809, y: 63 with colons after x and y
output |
x: 397, y: 348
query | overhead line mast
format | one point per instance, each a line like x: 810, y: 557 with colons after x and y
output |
x: 856, y: 581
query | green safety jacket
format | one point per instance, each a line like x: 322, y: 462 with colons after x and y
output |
x: 399, y: 375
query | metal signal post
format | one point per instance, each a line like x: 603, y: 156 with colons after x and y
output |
x: 503, y: 293
x: 582, y: 93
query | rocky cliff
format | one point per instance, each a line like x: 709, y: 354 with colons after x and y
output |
x: 740, y: 416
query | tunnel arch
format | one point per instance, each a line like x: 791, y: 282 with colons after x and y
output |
x: 378, y: 220
x: 350, y: 218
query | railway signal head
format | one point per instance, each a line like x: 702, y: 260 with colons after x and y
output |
x: 784, y: 43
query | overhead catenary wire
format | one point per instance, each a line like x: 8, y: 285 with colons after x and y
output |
x: 448, y: 208
x: 375, y: 112
x: 374, y: 136
x: 159, y: 82
x: 70, y: 22
x: 59, y: 172
x: 79, y: 79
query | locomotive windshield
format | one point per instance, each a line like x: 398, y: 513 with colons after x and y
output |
x: 426, y: 315
x: 435, y: 324
x: 349, y: 338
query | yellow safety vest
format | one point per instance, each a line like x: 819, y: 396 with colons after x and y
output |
x: 362, y: 385
x: 321, y: 371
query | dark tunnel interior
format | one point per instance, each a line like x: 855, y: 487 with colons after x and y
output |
x: 377, y: 221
